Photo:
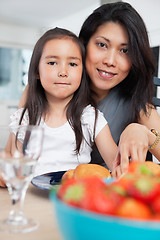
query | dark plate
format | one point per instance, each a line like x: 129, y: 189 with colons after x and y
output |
x: 46, y: 181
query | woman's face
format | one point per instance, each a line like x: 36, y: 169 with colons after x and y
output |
x: 107, y: 60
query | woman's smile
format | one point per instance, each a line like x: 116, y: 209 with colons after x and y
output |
x: 105, y: 75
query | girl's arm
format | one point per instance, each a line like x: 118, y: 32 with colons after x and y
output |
x: 8, y: 147
x: 106, y: 146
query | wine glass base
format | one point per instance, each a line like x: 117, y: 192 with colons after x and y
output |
x: 23, y: 226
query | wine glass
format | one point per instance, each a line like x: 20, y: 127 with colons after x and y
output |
x: 20, y: 148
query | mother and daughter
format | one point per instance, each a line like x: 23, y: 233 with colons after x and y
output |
x: 66, y: 84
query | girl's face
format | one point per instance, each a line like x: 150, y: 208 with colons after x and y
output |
x: 60, y: 69
x: 107, y: 60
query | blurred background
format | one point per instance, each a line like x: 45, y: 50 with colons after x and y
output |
x: 22, y: 22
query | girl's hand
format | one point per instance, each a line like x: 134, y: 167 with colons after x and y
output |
x: 133, y: 144
x: 2, y: 182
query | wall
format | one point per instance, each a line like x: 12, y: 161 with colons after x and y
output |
x: 25, y: 37
x: 18, y: 36
x: 149, y: 11
x: 74, y: 22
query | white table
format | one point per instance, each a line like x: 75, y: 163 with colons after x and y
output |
x: 38, y: 206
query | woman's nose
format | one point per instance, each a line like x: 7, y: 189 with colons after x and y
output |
x: 110, y: 58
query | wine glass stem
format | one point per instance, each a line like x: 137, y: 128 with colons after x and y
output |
x: 17, y: 198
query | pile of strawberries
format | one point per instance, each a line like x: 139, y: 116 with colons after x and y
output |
x: 136, y: 195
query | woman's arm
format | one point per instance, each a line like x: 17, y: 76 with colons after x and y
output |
x: 106, y: 146
x: 152, y: 121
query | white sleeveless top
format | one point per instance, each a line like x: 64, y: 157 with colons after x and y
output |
x: 59, y: 143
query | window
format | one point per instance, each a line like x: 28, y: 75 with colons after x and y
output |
x: 14, y: 64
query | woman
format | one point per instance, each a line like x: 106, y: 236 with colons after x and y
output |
x: 121, y: 69
x: 120, y: 66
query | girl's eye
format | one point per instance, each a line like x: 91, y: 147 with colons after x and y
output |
x: 73, y: 64
x: 124, y: 50
x: 52, y: 63
x: 101, y: 44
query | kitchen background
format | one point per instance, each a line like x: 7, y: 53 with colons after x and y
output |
x: 23, y: 22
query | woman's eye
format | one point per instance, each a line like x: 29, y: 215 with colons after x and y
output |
x: 52, y: 63
x: 101, y: 44
x: 73, y: 64
x: 124, y: 50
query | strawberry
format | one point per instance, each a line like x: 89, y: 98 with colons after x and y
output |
x: 96, y: 198
x: 116, y: 192
x: 144, y: 188
x: 94, y: 182
x: 98, y: 201
x: 74, y: 194
x: 139, y: 169
x: 79, y: 192
x: 64, y: 186
x: 132, y: 208
x: 155, y: 205
x: 126, y: 180
x: 156, y: 217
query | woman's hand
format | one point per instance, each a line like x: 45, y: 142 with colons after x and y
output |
x: 133, y: 145
x: 2, y: 182
x: 117, y: 172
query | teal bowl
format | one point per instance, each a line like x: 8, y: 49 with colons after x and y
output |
x: 77, y: 224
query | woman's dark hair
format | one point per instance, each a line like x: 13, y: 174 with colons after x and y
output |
x: 37, y: 103
x: 138, y: 85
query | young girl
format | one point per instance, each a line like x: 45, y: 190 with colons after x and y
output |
x: 59, y: 99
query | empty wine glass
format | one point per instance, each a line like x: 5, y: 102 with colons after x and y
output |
x: 20, y: 148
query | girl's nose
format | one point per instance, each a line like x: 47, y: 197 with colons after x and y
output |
x: 63, y: 72
x: 110, y: 58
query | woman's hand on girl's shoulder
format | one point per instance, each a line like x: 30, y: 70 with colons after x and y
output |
x: 23, y: 98
x: 2, y: 182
